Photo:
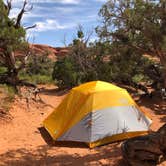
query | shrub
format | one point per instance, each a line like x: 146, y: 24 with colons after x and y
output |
x: 86, y: 63
x: 78, y: 66
x: 39, y: 64
x: 3, y: 70
x: 38, y: 70
x: 65, y: 73
x: 37, y: 78
x: 7, y: 94
x: 129, y: 68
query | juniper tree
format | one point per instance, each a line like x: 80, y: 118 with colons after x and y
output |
x: 12, y: 39
x: 138, y: 25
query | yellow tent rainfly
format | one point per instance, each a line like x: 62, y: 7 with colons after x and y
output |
x: 96, y: 113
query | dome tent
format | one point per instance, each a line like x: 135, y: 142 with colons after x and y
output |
x: 96, y: 113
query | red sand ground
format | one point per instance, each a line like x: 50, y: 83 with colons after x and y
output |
x: 21, y: 143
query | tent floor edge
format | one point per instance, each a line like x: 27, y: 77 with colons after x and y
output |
x: 117, y: 137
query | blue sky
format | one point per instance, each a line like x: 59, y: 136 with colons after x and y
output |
x: 59, y: 19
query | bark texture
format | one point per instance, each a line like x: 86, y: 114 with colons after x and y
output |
x: 146, y: 150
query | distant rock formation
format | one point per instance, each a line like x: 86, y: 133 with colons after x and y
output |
x: 39, y: 49
x: 53, y: 52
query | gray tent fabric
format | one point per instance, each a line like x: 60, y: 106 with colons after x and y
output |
x: 81, y: 132
x: 107, y: 122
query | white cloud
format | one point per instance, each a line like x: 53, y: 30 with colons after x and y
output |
x: 49, y: 1
x: 101, y: 0
x: 69, y: 1
x: 65, y: 9
x: 37, y: 9
x: 50, y: 24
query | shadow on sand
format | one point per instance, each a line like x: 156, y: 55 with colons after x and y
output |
x: 156, y: 104
x: 48, y: 139
x: 52, y: 154
x: 46, y: 156
x: 54, y: 92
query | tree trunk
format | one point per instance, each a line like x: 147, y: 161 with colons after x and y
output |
x: 10, y: 78
x: 164, y: 75
x: 146, y: 150
x: 13, y: 80
x: 163, y: 63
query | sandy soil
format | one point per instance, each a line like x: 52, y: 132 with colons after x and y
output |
x: 24, y: 143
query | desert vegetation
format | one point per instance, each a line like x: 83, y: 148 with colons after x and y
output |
x: 130, y: 51
x: 128, y: 33
x: 130, y: 30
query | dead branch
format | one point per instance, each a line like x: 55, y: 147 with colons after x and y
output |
x: 21, y: 13
x: 9, y: 6
x: 89, y: 34
x: 30, y: 27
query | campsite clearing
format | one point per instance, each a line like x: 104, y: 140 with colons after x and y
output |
x: 22, y: 144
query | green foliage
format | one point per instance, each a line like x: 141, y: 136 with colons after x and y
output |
x: 3, y: 70
x: 7, y: 94
x: 78, y: 66
x: 129, y: 69
x: 11, y: 38
x: 68, y: 74
x: 36, y: 78
x: 104, y: 72
x: 139, y: 78
x: 80, y: 34
x: 83, y: 64
x: 124, y: 66
x: 39, y: 64
x: 38, y: 70
x: 65, y: 73
x: 135, y: 26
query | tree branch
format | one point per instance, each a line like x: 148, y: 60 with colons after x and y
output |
x: 9, y: 6
x: 30, y: 27
x: 20, y: 15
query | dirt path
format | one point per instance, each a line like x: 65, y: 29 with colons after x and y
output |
x: 21, y: 143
